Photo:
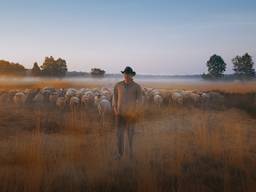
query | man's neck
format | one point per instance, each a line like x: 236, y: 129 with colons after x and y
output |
x: 128, y: 82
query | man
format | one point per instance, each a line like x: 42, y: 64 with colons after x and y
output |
x: 127, y: 100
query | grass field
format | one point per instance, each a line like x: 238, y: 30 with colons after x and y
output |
x: 175, y: 148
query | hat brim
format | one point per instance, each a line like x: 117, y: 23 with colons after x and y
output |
x: 133, y: 73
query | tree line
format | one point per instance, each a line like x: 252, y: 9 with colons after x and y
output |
x: 243, y: 67
x: 49, y: 68
x: 10, y: 68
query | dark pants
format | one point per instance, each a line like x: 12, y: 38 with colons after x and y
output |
x: 124, y: 123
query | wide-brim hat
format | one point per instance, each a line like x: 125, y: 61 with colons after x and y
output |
x: 129, y: 70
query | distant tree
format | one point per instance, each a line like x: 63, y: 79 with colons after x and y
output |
x: 36, y: 71
x: 216, y: 67
x: 62, y: 67
x: 97, y: 72
x: 243, y: 66
x: 54, y: 68
x: 48, y: 67
x: 9, y: 68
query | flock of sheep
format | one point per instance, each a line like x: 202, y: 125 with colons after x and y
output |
x: 101, y: 99
x: 97, y: 102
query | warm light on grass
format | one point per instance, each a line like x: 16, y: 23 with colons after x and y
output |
x: 175, y: 149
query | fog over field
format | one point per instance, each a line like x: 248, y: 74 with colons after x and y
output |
x: 106, y: 81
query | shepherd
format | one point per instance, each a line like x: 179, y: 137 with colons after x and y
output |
x: 127, y: 103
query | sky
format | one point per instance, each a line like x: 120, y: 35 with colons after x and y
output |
x: 169, y: 37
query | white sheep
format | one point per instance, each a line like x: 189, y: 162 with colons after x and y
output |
x: 104, y: 109
x: 19, y: 98
x: 61, y: 102
x: 155, y: 92
x: 74, y: 102
x: 177, y: 98
x: 4, y: 97
x: 107, y: 94
x: 39, y: 98
x: 87, y: 98
x: 47, y: 90
x: 191, y: 97
x: 158, y: 100
x: 204, y: 98
x: 53, y: 97
x: 70, y: 93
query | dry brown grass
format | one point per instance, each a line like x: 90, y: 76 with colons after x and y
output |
x: 230, y: 87
x: 179, y: 150
x: 41, y: 83
x: 176, y: 149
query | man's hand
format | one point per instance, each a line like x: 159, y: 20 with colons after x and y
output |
x: 115, y: 111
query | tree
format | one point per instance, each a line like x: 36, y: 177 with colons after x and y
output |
x: 9, y: 68
x: 62, y: 67
x: 216, y: 67
x: 97, y: 72
x: 243, y: 66
x: 54, y: 68
x: 48, y: 66
x: 36, y: 71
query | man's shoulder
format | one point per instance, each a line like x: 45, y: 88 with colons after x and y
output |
x: 119, y: 83
x: 137, y: 85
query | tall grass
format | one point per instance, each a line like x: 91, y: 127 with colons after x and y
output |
x: 175, y: 149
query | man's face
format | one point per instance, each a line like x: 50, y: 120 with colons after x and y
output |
x: 127, y: 77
